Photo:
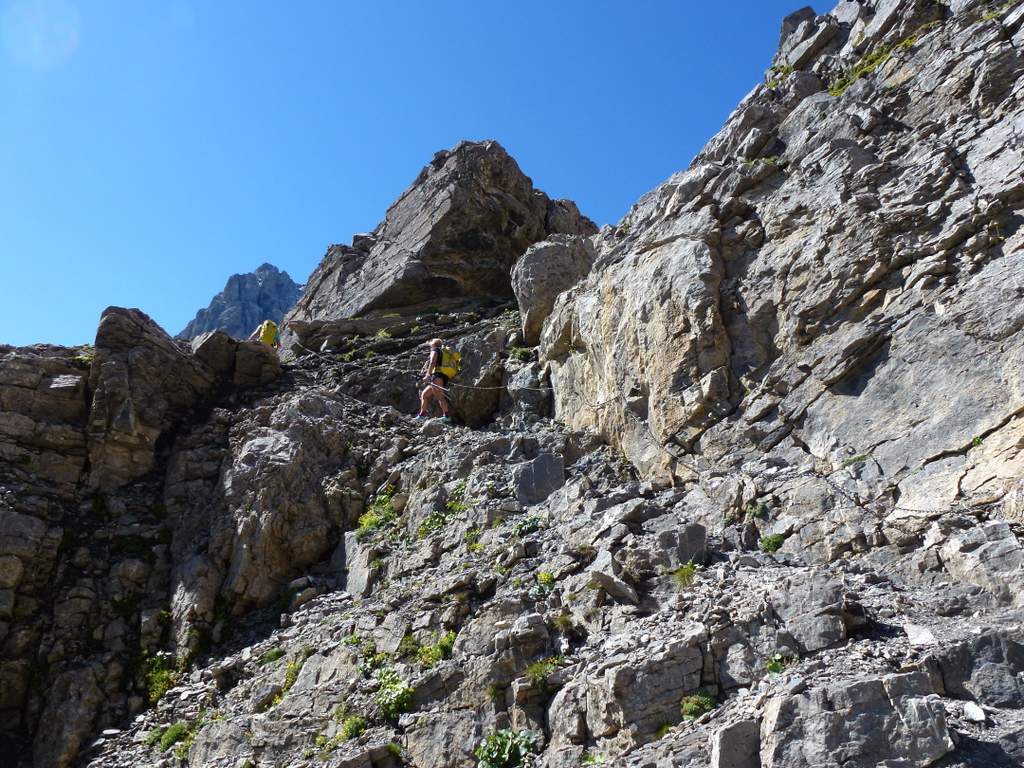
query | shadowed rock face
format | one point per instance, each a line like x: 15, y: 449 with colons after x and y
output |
x: 246, y: 301
x: 456, y: 232
x: 84, y: 566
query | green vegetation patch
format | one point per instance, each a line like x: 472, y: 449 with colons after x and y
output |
x: 380, y: 514
x: 440, y: 649
x: 779, y: 74
x: 562, y: 622
x: 506, y: 749
x: 696, y: 704
x: 777, y: 663
x: 756, y: 510
x: 472, y: 539
x: 457, y: 499
x: 526, y: 526
x: 272, y: 655
x: 160, y: 675
x: 172, y: 735
x: 684, y: 575
x: 522, y: 354
x: 545, y: 582
x: 771, y: 543
x: 433, y: 522
x: 86, y: 354
x: 540, y: 671
x: 409, y: 647
x: 998, y: 11
x: 180, y: 735
x: 352, y: 727
x: 291, y: 674
x: 874, y: 59
x: 393, y: 695
x: 439, y: 518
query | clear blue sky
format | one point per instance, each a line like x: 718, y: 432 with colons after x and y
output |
x: 150, y: 149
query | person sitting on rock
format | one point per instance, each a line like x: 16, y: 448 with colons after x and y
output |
x: 437, y: 388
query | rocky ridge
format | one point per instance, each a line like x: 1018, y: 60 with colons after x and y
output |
x: 454, y: 234
x: 247, y: 300
x: 754, y: 500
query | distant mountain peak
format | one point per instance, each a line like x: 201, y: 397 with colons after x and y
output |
x: 248, y: 299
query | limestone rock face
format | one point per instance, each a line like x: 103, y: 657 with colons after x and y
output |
x: 543, y: 272
x: 815, y: 283
x: 455, y: 233
x: 896, y: 720
x: 83, y: 544
x: 246, y: 301
x: 43, y: 407
x: 266, y: 511
x: 142, y: 383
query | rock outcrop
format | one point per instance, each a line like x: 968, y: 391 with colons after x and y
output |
x: 542, y: 273
x: 84, y: 535
x: 142, y: 384
x: 246, y: 301
x: 454, y: 234
x: 819, y: 277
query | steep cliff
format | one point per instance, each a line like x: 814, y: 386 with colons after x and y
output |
x: 246, y: 301
x: 84, y: 532
x: 835, y: 282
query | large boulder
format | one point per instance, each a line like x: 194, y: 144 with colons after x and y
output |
x: 142, y: 385
x: 814, y: 609
x: 255, y: 364
x: 988, y: 668
x: 893, y: 720
x: 476, y: 392
x: 242, y: 363
x: 454, y: 233
x: 544, y: 271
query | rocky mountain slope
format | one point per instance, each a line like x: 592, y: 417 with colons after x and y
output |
x: 246, y: 301
x: 753, y: 499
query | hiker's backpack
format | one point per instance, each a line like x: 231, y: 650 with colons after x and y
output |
x: 451, y: 363
x: 268, y: 333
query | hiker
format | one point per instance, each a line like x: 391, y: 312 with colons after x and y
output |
x: 437, y: 375
x: 268, y: 334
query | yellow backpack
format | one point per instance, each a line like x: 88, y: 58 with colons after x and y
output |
x: 268, y: 333
x: 451, y: 363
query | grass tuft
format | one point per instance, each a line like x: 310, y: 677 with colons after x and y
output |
x: 873, y: 60
x: 381, y: 513
x: 696, y: 704
x: 684, y: 575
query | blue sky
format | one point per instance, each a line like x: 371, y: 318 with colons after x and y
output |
x: 150, y: 149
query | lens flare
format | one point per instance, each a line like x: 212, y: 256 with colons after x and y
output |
x: 39, y: 34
